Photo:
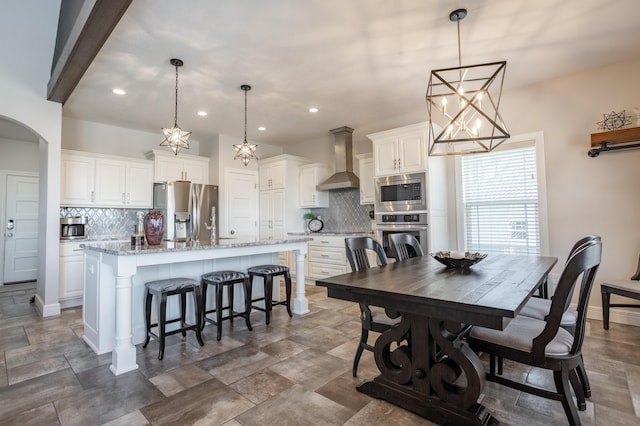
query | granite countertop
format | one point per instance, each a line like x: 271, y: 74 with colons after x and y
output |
x: 338, y: 234
x: 126, y: 249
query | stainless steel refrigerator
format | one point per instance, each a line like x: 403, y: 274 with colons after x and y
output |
x: 188, y: 209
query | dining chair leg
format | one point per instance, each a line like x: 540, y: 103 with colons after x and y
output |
x: 584, y: 380
x: 363, y: 341
x: 606, y: 297
x: 563, y: 386
x: 577, y: 390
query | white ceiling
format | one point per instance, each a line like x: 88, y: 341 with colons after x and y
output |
x: 363, y: 63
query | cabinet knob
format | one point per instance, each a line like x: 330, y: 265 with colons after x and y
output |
x: 398, y: 163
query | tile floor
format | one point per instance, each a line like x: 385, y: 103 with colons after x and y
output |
x: 292, y: 372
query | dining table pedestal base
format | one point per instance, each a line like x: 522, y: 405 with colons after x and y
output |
x: 429, y: 370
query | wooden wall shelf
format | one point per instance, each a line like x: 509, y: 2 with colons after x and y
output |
x: 614, y: 137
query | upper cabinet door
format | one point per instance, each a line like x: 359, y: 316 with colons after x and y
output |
x: 168, y: 169
x: 272, y: 175
x: 196, y: 170
x: 367, y: 187
x: 385, y: 153
x: 139, y: 189
x: 110, y: 183
x: 310, y: 176
x: 412, y: 155
x: 77, y: 181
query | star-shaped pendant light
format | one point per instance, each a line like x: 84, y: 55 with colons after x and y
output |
x: 245, y: 151
x: 176, y: 138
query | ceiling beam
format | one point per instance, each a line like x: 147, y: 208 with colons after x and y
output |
x: 95, y: 22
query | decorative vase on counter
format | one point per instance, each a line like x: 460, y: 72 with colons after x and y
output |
x: 154, y: 227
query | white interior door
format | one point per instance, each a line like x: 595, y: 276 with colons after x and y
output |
x: 241, y: 201
x: 21, y: 229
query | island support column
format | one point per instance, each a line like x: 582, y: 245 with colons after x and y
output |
x: 123, y: 356
x: 300, y: 303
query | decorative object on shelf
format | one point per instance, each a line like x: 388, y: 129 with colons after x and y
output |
x: 456, y: 259
x: 245, y: 151
x: 614, y: 121
x: 176, y: 138
x: 137, y: 238
x: 154, y: 227
x: 307, y: 218
x: 315, y: 224
x: 466, y: 100
x: 636, y: 111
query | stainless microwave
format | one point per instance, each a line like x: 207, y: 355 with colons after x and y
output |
x: 401, y: 193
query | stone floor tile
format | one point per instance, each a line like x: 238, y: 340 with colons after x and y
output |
x: 24, y: 396
x: 134, y: 418
x: 234, y: 365
x: 210, y: 403
x: 86, y: 359
x: 36, y: 369
x: 381, y: 413
x: 296, y: 405
x: 179, y: 379
x: 321, y: 338
x: 13, y: 338
x: 261, y: 386
x: 283, y: 349
x: 343, y: 390
x: 311, y: 368
x: 40, y: 416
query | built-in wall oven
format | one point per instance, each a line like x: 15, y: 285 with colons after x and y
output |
x: 401, y: 193
x: 407, y: 223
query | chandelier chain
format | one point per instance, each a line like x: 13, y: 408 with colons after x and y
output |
x: 245, y: 116
x: 175, y: 117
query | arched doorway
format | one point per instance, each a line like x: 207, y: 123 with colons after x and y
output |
x: 19, y: 197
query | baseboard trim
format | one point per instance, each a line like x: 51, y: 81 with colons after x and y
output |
x: 47, y: 310
x: 628, y: 316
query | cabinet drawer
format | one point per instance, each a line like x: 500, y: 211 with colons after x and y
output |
x: 323, y: 270
x: 71, y: 248
x: 327, y: 241
x: 327, y: 255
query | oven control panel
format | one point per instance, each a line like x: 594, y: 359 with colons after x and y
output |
x: 403, y: 218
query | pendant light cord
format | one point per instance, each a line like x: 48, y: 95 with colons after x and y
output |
x: 245, y: 116
x: 175, y: 117
x: 459, y: 51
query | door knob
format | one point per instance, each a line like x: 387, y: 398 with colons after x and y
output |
x: 10, y: 224
x: 232, y: 232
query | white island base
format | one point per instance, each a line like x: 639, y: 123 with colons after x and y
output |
x: 115, y: 275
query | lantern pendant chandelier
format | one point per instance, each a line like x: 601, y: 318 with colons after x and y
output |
x: 245, y: 151
x: 464, y: 100
x: 176, y: 138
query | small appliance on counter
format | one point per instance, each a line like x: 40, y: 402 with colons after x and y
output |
x: 73, y: 228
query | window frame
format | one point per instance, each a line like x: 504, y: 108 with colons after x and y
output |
x: 517, y: 141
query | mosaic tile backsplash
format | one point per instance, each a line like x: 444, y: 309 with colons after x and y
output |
x: 345, y: 214
x: 106, y: 223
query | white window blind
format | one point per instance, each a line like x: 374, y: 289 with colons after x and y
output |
x: 500, y: 202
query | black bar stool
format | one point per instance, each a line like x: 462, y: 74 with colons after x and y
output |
x: 170, y: 287
x: 220, y: 279
x: 267, y: 272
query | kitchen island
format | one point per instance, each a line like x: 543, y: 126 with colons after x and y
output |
x: 115, y: 274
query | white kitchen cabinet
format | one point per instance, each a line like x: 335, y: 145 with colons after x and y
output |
x: 400, y: 151
x: 93, y: 180
x: 77, y: 180
x: 367, y: 182
x: 170, y: 167
x: 272, y: 216
x: 71, y: 280
x: 272, y: 174
x: 310, y: 176
x: 327, y: 256
x: 279, y: 208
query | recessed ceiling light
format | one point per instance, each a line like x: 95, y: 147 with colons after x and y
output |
x: 262, y: 128
x: 313, y: 109
x: 119, y: 92
x: 202, y: 113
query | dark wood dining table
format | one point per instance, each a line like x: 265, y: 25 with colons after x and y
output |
x: 425, y: 364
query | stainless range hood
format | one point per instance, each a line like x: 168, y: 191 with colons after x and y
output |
x: 344, y: 177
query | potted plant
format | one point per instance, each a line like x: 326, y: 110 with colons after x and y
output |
x: 307, y: 217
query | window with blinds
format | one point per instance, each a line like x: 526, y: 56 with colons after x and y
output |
x: 500, y: 202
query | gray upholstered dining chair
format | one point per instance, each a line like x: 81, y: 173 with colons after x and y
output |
x: 538, y: 308
x: 404, y: 246
x: 372, y: 318
x: 545, y: 344
x: 629, y: 288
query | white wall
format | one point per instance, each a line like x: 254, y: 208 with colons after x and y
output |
x: 586, y: 195
x: 18, y: 155
x: 82, y: 135
x: 23, y: 81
